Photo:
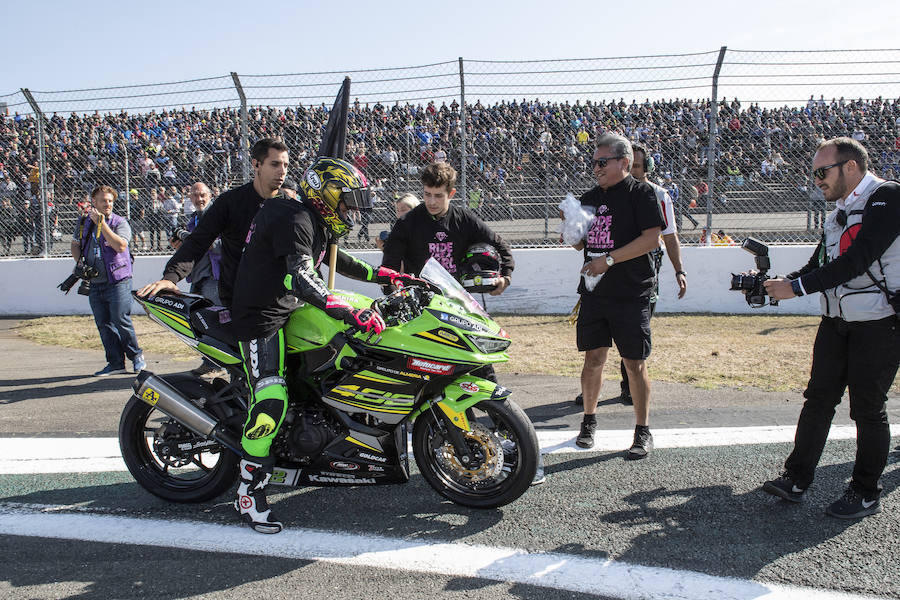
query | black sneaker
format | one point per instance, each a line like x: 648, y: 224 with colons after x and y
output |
x: 579, y: 400
x: 853, y: 505
x: 625, y: 398
x: 784, y: 487
x: 585, y: 439
x: 642, y: 445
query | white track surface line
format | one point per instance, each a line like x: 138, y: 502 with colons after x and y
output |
x: 557, y: 571
x: 91, y: 455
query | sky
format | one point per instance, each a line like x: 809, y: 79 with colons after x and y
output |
x: 64, y: 45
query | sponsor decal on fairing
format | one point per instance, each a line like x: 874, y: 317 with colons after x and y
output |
x: 344, y: 466
x: 428, y: 366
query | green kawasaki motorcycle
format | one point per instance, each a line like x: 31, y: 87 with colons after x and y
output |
x: 352, y: 402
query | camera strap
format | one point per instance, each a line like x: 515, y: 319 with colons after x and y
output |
x: 81, y: 238
x: 882, y: 285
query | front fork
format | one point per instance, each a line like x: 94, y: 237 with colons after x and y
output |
x: 450, y: 410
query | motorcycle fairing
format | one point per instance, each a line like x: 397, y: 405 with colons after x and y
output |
x: 356, y: 458
x: 463, y: 393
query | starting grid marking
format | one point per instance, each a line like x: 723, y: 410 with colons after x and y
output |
x: 550, y: 570
x: 19, y: 456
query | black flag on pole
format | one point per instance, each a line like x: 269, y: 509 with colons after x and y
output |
x: 334, y: 139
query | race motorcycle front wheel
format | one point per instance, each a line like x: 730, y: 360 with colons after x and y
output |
x: 502, y: 443
x: 169, y: 460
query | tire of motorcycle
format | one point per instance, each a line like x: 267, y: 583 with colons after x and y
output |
x: 193, y: 482
x: 489, y: 484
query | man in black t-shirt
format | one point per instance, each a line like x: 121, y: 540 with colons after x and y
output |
x: 625, y: 229
x: 279, y: 269
x: 436, y: 229
x: 228, y: 218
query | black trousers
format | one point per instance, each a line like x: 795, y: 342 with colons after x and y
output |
x: 863, y: 356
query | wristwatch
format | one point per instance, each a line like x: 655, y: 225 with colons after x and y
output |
x: 795, y: 287
x: 610, y: 261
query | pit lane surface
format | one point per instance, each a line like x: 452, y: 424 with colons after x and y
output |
x: 689, y: 510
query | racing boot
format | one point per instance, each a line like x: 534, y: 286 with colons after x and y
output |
x: 251, y: 497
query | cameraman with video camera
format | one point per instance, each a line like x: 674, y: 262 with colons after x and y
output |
x: 103, y: 261
x: 856, y: 267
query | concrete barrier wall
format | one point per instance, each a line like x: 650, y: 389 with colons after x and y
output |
x: 544, y: 282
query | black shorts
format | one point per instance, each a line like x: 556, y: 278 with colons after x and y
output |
x: 602, y: 321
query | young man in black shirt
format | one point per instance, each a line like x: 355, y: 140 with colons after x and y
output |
x: 436, y: 229
x: 279, y: 269
x: 624, y: 231
x: 228, y: 218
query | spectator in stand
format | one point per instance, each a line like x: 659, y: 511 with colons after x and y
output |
x: 139, y: 217
x: 8, y: 221
x: 171, y: 208
x: 83, y: 150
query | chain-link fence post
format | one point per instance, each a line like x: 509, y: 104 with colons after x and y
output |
x: 713, y: 137
x: 463, y: 164
x: 127, y: 180
x: 245, y: 141
x: 45, y: 243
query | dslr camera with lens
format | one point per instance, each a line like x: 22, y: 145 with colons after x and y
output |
x: 85, y: 274
x: 180, y: 234
x: 752, y: 283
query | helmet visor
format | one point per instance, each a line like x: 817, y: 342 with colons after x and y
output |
x: 357, y: 198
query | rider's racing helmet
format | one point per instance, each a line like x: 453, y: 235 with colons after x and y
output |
x: 330, y: 181
x: 480, y: 269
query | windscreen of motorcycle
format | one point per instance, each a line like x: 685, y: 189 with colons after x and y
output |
x: 434, y: 273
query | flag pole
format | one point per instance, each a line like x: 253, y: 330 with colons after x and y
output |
x: 334, y: 144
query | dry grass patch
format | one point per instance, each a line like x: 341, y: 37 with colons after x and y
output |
x: 770, y: 352
x: 80, y: 332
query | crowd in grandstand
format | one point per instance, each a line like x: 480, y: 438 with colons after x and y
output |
x: 515, y: 150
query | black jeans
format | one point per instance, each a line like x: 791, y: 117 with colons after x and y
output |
x: 863, y: 355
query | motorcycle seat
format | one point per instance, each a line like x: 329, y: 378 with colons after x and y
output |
x: 214, y: 321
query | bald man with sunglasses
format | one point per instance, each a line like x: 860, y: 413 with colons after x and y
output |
x: 856, y: 268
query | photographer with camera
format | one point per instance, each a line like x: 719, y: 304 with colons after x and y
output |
x: 856, y: 267
x: 103, y: 261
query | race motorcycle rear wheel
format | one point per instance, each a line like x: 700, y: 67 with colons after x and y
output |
x: 503, y: 443
x: 169, y: 460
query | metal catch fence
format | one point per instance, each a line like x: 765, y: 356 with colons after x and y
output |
x: 731, y: 133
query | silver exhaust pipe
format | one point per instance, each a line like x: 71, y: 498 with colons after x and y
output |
x: 159, y: 394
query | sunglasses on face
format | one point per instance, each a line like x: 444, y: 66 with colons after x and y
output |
x: 601, y: 162
x: 822, y: 171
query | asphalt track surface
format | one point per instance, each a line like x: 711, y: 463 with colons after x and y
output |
x: 683, y: 513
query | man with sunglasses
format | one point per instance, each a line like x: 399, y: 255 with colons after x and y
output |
x: 856, y: 267
x: 625, y: 229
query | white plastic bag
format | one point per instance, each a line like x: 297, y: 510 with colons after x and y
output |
x: 575, y: 222
x: 590, y: 281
